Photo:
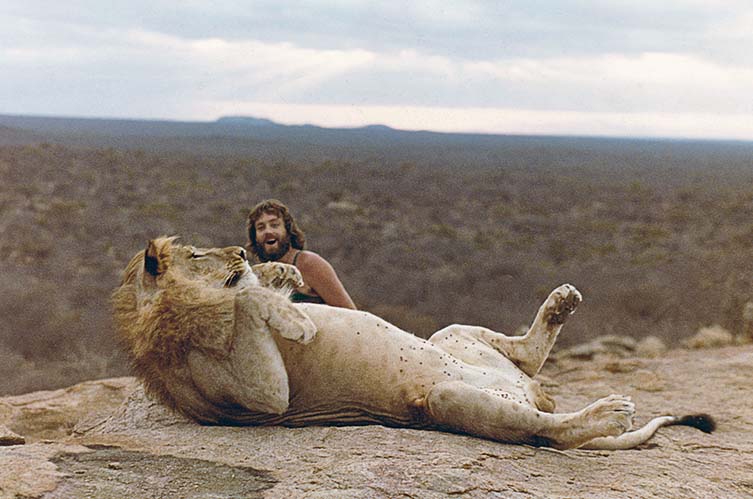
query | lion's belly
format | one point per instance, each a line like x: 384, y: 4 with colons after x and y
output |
x: 361, y: 369
x: 351, y: 386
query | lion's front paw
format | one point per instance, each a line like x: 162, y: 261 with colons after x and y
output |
x: 278, y: 275
x: 612, y: 415
x: 300, y: 329
x: 291, y: 322
x: 561, y: 303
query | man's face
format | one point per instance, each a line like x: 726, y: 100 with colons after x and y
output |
x: 272, y: 240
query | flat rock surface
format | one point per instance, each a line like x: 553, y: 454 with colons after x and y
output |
x: 104, y: 439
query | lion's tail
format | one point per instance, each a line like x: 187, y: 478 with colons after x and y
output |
x: 631, y: 439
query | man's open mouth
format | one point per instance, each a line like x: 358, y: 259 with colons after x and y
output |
x: 270, y: 242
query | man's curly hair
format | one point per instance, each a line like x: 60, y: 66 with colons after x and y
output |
x: 273, y: 206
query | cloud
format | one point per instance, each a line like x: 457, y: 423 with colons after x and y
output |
x: 473, y: 29
x: 262, y: 70
x: 616, y: 82
x: 135, y: 63
x: 583, y: 60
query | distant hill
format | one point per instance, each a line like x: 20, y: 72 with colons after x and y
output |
x: 245, y: 121
x: 234, y: 125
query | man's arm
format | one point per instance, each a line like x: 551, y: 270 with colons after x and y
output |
x: 322, y: 278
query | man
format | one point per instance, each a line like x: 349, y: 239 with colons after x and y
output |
x: 274, y: 236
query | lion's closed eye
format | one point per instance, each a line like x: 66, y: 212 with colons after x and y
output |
x: 197, y: 254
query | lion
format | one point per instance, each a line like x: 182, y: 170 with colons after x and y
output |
x: 219, y: 341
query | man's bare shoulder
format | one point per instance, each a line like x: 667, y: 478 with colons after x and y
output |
x: 319, y: 274
x: 310, y: 260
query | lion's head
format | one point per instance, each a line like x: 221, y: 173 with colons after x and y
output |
x: 163, y: 261
x: 173, y: 299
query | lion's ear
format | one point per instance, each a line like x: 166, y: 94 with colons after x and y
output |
x: 157, y: 255
x: 151, y: 260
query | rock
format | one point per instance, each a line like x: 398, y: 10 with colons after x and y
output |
x: 651, y: 347
x: 610, y: 345
x: 29, y: 471
x: 8, y: 437
x: 648, y: 381
x: 710, y: 337
x: 133, y: 447
x: 137, y: 412
x: 623, y: 366
x: 53, y: 414
x: 617, y: 343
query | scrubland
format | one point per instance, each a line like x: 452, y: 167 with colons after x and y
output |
x: 656, y: 235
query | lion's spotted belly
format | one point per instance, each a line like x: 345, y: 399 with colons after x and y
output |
x: 377, y: 374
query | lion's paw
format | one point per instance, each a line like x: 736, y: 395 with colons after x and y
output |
x: 278, y: 275
x: 561, y: 303
x: 611, y: 416
x: 292, y: 323
x: 300, y: 329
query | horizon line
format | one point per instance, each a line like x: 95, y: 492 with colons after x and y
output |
x: 274, y: 122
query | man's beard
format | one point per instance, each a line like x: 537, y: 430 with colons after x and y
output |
x: 283, y: 244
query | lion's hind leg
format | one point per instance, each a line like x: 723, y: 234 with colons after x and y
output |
x: 477, y: 345
x: 474, y: 345
x: 531, y: 350
x: 497, y: 415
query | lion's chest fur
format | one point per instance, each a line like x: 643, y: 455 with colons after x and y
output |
x: 361, y: 368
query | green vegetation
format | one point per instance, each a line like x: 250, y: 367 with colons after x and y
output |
x: 425, y: 230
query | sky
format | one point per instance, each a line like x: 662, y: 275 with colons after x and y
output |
x: 633, y: 68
